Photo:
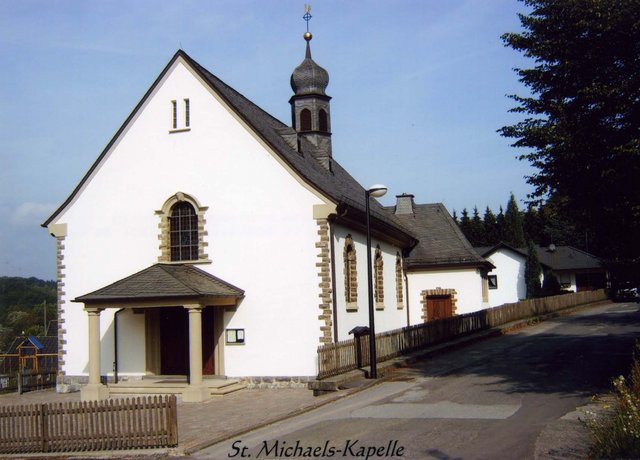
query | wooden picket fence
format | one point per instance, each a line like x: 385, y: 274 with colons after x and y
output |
x: 131, y: 423
x: 340, y: 357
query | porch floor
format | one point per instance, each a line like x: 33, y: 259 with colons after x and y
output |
x: 173, y: 384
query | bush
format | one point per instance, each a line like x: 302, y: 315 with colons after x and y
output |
x: 618, y: 434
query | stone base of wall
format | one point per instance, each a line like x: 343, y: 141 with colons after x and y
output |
x: 275, y: 382
x: 73, y: 383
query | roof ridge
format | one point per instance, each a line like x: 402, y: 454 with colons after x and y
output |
x: 164, y: 266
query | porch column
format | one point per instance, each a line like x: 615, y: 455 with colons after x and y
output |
x: 196, y: 391
x: 94, y: 390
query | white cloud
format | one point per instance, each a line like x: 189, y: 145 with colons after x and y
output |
x: 31, y: 213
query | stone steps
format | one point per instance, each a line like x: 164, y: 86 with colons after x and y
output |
x: 146, y: 386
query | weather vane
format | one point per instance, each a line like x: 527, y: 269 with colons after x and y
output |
x: 307, y: 14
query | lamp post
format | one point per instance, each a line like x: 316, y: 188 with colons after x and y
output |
x: 375, y: 191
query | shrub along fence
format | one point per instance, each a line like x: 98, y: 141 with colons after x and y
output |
x: 143, y: 422
x: 337, y: 358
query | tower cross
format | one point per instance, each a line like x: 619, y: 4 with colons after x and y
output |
x: 307, y: 14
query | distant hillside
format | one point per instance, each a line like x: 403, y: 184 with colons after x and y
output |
x: 22, y: 307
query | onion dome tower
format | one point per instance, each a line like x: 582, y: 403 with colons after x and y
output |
x: 310, y: 108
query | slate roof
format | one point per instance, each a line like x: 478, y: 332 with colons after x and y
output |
x: 44, y: 344
x: 164, y: 281
x: 337, y: 185
x: 441, y: 243
x: 562, y: 258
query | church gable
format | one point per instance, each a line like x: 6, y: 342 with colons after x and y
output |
x: 184, y: 122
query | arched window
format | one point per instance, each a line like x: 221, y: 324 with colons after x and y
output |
x: 399, y: 292
x: 378, y: 278
x: 323, y: 120
x: 350, y: 272
x: 183, y: 228
x: 305, y: 120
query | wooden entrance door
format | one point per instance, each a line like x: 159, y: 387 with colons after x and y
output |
x: 174, y: 341
x: 208, y: 342
x: 439, y: 307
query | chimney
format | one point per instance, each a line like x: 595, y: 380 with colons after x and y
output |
x: 404, y: 204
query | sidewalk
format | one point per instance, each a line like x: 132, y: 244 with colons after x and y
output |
x: 203, y: 424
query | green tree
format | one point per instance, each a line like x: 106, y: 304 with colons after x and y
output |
x: 501, y: 225
x: 532, y: 272
x: 476, y: 229
x: 22, y: 305
x: 581, y: 123
x: 550, y: 284
x: 490, y: 226
x: 465, y: 223
x: 514, y: 230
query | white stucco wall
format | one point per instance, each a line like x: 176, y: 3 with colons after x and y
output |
x: 259, y: 228
x: 509, y: 270
x: 387, y: 318
x: 467, y: 283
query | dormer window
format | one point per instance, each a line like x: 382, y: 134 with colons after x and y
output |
x: 178, y: 123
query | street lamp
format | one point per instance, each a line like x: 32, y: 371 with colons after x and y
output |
x: 375, y: 191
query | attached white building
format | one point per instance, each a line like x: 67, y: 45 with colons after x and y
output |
x: 445, y: 275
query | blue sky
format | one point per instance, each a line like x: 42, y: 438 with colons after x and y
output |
x: 419, y: 89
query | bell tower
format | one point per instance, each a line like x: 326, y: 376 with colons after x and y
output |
x: 310, y: 108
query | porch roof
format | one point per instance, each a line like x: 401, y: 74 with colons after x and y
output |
x: 163, y: 282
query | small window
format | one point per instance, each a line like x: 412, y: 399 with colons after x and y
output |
x: 305, y: 120
x: 174, y: 114
x: 187, y: 115
x: 378, y: 277
x: 184, y: 232
x: 399, y: 292
x: 324, y: 122
x: 492, y: 280
x: 350, y: 271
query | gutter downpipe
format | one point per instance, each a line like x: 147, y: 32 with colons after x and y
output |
x: 115, y: 345
x: 406, y: 296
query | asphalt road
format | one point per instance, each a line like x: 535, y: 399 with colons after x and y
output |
x: 488, y: 400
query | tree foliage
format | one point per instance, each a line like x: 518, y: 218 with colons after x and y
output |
x: 22, y: 307
x: 543, y: 224
x: 514, y: 230
x: 532, y: 272
x: 581, y: 125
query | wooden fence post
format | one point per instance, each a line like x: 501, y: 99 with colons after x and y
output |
x: 43, y: 428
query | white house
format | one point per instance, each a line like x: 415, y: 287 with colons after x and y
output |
x: 575, y: 270
x: 210, y: 238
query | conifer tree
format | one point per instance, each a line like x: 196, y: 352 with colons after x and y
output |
x: 476, y: 229
x: 581, y: 115
x: 532, y: 272
x: 514, y: 231
x: 490, y: 228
